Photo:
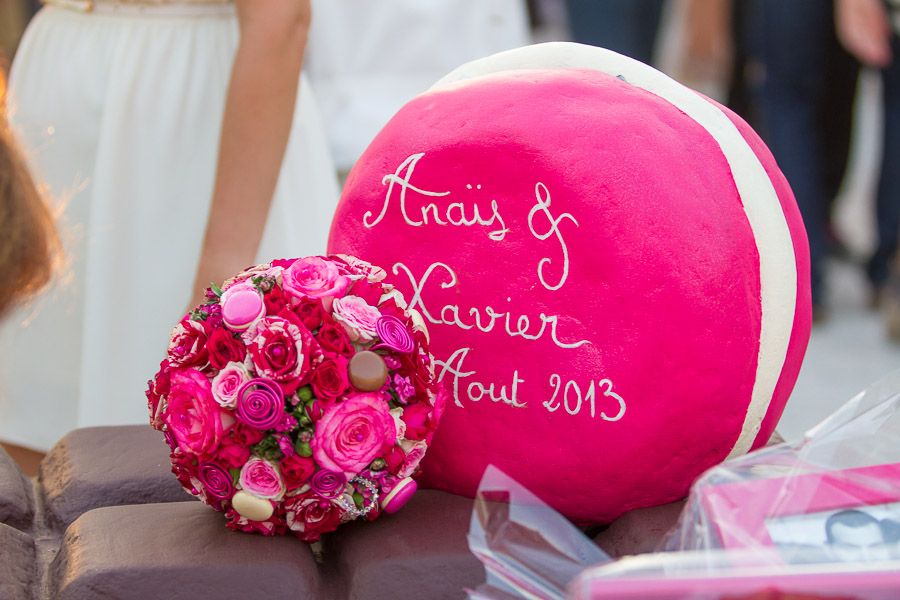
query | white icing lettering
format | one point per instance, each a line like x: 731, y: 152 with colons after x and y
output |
x: 522, y: 322
x: 477, y: 390
x: 453, y: 214
x: 542, y: 195
x: 572, y: 391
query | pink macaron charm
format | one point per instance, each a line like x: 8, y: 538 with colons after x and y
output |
x: 399, y: 496
x: 241, y: 306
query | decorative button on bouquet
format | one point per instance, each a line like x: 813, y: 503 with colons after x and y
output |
x: 301, y: 395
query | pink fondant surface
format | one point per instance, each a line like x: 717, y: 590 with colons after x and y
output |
x: 803, y: 312
x: 623, y: 228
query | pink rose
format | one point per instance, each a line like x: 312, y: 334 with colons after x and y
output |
x: 280, y: 350
x: 187, y: 344
x: 193, y: 417
x: 352, y: 433
x: 313, y: 277
x: 227, y: 382
x: 357, y: 317
x: 260, y: 478
x: 415, y: 451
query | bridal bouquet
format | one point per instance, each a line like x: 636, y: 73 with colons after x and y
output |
x: 301, y: 395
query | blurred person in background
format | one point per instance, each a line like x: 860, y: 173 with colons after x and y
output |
x: 367, y: 59
x: 155, y: 121
x: 629, y: 27
x: 805, y: 110
x: 869, y: 30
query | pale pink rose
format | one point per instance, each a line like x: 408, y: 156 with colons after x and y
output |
x: 357, y: 317
x: 352, y: 433
x: 313, y: 277
x: 399, y: 425
x: 372, y: 273
x: 261, y: 478
x: 415, y: 451
x: 227, y: 382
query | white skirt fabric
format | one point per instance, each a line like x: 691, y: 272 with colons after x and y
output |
x: 121, y: 115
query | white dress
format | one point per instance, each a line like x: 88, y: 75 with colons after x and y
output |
x: 121, y: 115
x: 367, y: 58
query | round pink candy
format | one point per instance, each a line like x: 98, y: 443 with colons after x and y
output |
x: 242, y: 307
x: 399, y: 496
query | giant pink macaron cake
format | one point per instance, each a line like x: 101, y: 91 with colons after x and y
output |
x: 612, y: 267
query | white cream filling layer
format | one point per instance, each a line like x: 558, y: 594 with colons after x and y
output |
x: 777, y: 262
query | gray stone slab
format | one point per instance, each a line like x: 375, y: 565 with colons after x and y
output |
x: 106, y: 466
x: 420, y: 551
x: 177, y: 551
x: 639, y: 531
x: 16, y: 496
x: 18, y: 567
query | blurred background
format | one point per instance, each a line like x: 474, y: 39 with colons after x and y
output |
x: 797, y: 71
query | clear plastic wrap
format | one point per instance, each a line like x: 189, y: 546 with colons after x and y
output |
x: 815, y: 518
x: 528, y: 549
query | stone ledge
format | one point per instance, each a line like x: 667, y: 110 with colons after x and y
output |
x: 421, y: 551
x: 106, y: 466
x: 16, y: 496
x: 177, y: 551
x: 18, y: 567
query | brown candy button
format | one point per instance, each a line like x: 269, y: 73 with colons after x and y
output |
x: 367, y: 371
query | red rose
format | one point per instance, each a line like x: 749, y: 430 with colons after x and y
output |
x: 274, y: 525
x: 224, y: 348
x: 394, y: 458
x: 157, y: 388
x: 420, y: 422
x: 310, y: 312
x: 296, y: 470
x: 187, y: 344
x: 370, y: 292
x: 330, y: 378
x: 310, y: 515
x: 231, y: 453
x: 245, y: 435
x: 185, y: 469
x: 275, y: 300
x: 333, y: 338
x: 283, y: 262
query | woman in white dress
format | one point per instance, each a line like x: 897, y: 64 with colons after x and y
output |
x: 121, y: 109
x: 368, y: 58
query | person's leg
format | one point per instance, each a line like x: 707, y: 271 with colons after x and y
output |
x: 888, y: 197
x: 794, y: 36
x: 625, y: 26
